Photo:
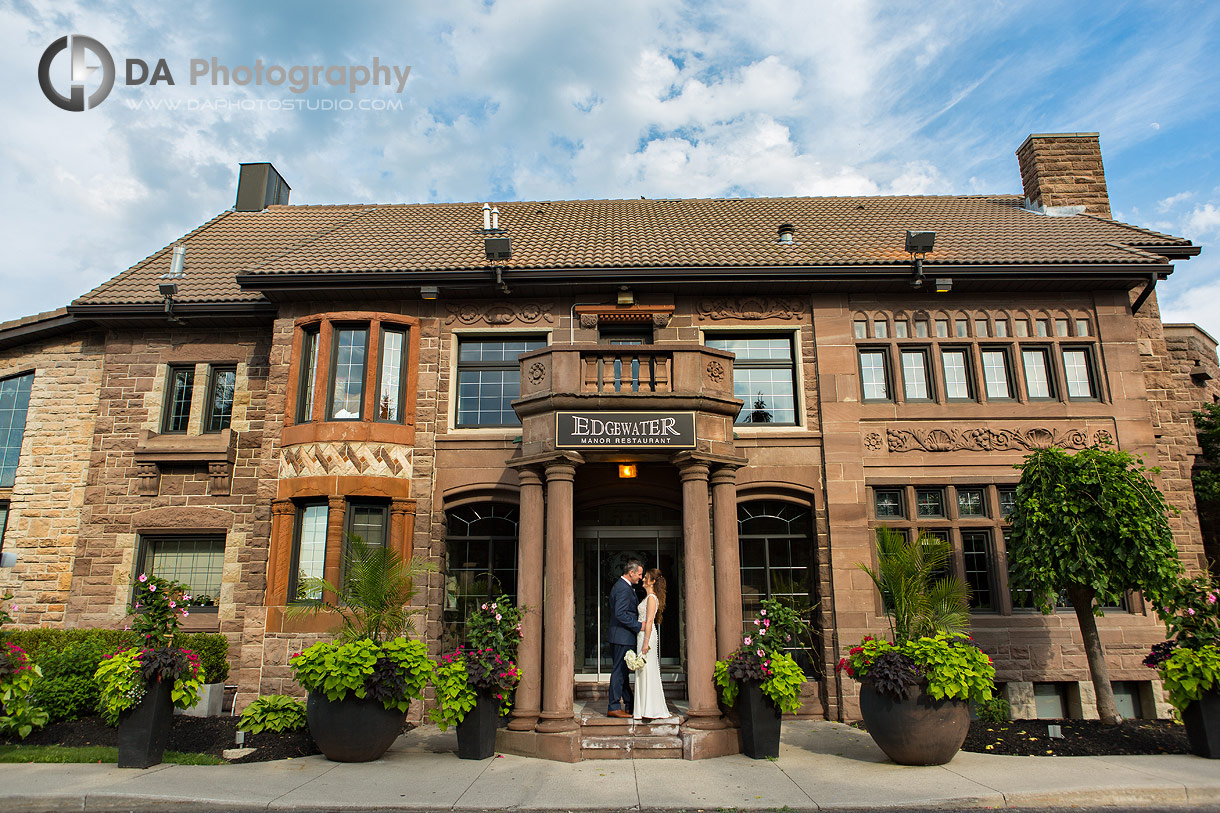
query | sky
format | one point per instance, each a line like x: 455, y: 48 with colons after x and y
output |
x: 556, y: 99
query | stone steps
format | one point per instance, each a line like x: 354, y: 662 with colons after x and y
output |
x: 603, y: 737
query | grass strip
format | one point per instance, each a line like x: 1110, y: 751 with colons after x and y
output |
x: 93, y: 753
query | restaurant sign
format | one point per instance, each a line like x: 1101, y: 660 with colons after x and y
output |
x: 624, y: 430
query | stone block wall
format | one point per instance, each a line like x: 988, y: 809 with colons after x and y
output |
x: 47, y: 501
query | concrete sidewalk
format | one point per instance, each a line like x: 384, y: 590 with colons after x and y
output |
x: 821, y: 765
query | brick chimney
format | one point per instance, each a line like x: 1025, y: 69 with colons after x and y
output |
x: 1061, y: 174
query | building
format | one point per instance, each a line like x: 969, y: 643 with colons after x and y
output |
x: 736, y: 390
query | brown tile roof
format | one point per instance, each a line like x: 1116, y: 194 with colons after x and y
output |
x: 284, y: 240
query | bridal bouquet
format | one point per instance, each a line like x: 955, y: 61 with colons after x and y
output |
x: 634, y: 662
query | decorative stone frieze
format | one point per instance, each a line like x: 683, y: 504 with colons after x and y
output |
x: 499, y: 313
x: 345, y: 459
x: 750, y: 308
x: 981, y: 439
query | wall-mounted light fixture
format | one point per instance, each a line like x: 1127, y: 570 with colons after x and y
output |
x: 169, y: 290
x: 625, y: 296
x: 627, y: 471
x: 944, y: 285
x: 919, y: 243
x: 429, y: 292
x: 8, y: 558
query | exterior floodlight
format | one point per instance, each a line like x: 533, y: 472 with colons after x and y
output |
x: 944, y: 285
x: 168, y: 289
x: 625, y: 296
x: 920, y: 242
x: 429, y: 292
x: 8, y: 558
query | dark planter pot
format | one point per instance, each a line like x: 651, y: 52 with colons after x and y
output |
x: 1202, y: 720
x: 144, y: 728
x: 476, y: 733
x: 760, y: 722
x: 918, y: 729
x: 352, y: 729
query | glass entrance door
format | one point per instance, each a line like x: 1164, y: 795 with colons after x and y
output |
x: 600, y: 555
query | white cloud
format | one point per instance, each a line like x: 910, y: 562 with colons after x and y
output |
x: 1165, y: 204
x: 1203, y: 221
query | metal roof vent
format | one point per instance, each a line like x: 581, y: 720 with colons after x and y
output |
x: 785, y: 233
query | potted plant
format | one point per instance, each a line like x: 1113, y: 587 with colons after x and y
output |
x: 138, y: 688
x: 765, y: 677
x: 915, y: 693
x: 475, y: 683
x: 1189, y: 661
x: 361, y: 685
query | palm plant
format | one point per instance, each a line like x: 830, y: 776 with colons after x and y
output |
x: 373, y: 597
x: 919, y: 595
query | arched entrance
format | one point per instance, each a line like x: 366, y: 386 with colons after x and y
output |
x: 605, y: 538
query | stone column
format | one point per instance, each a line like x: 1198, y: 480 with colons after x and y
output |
x: 530, y: 537
x: 402, y: 527
x: 335, y: 510
x: 697, y: 593
x: 559, y: 602
x: 728, y: 560
x: 279, y: 558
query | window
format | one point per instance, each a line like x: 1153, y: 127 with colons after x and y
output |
x: 873, y: 375
x: 222, y: 382
x: 347, y: 374
x: 860, y: 329
x: 1008, y: 501
x: 996, y: 380
x: 368, y: 520
x: 178, y: 386
x: 942, y: 328
x: 480, y: 560
x: 980, y: 328
x: 309, y: 375
x: 960, y: 328
x: 196, y: 561
x: 970, y: 502
x: 930, y: 502
x: 921, y: 329
x: 1078, y: 373
x: 880, y: 329
x: 1001, y: 328
x: 764, y: 376
x: 14, y: 404
x: 979, y: 568
x: 308, y: 552
x: 1022, y: 328
x: 888, y: 503
x: 392, y: 376
x: 489, y: 379
x: 1082, y: 327
x: 900, y: 329
x: 1042, y: 327
x: 956, y: 365
x: 915, y: 375
x: 777, y: 563
x: 1038, y: 381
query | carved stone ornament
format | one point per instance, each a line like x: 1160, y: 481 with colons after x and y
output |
x: 342, y: 458
x: 499, y: 313
x: 715, y: 370
x: 872, y: 441
x: 588, y: 321
x: 983, y: 439
x: 536, y: 373
x: 754, y: 307
x: 1102, y: 438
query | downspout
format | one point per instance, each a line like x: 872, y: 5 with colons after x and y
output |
x: 1144, y: 294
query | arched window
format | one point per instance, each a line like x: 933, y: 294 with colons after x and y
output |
x: 480, y: 560
x: 777, y: 562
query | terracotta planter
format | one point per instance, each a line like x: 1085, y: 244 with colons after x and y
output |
x: 918, y: 729
x: 351, y: 729
x: 144, y: 728
x: 476, y: 733
x: 1202, y: 721
x: 760, y: 722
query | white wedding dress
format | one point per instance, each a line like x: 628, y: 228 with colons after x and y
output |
x: 649, y: 696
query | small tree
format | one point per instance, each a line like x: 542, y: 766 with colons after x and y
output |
x: 1092, y: 525
x: 919, y: 595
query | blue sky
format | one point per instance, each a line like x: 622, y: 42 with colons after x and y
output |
x: 555, y: 99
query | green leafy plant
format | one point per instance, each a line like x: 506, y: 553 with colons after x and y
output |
x: 157, y: 606
x: 213, y: 651
x: 17, y: 676
x: 5, y: 607
x: 394, y: 672
x: 273, y: 712
x: 950, y: 663
x: 123, y: 677
x: 67, y: 689
x: 1206, y: 477
x: 761, y: 658
x: 486, y: 663
x: 919, y: 596
x: 373, y: 599
x: 1092, y: 525
x: 1188, y: 673
x: 994, y: 711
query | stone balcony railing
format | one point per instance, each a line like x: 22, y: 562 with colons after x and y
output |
x: 673, y: 376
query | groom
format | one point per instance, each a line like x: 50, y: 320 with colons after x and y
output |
x: 624, y: 624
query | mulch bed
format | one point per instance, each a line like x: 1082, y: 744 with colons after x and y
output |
x: 1080, y: 738
x: 203, y: 735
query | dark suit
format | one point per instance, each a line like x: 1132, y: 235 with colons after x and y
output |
x: 624, y: 624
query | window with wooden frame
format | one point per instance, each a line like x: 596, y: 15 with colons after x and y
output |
x: 222, y: 383
x: 179, y: 389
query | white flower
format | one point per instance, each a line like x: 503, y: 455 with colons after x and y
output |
x: 498, y: 616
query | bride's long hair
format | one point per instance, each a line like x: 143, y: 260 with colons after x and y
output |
x: 658, y: 587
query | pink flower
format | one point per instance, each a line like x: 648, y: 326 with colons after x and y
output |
x: 152, y: 588
x: 484, y: 606
x: 125, y: 628
x: 747, y: 640
x: 185, y: 613
x: 761, y: 653
x: 756, y: 622
x: 493, y: 605
x: 187, y: 597
x: 137, y: 605
x: 762, y: 612
x: 498, y: 616
x: 1190, y: 610
x: 143, y: 577
x: 172, y: 604
x: 13, y: 609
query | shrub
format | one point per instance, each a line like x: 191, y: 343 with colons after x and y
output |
x: 213, y: 651
x: 273, y: 712
x: 17, y: 676
x: 994, y: 711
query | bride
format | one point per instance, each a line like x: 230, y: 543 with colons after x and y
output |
x: 649, y: 696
